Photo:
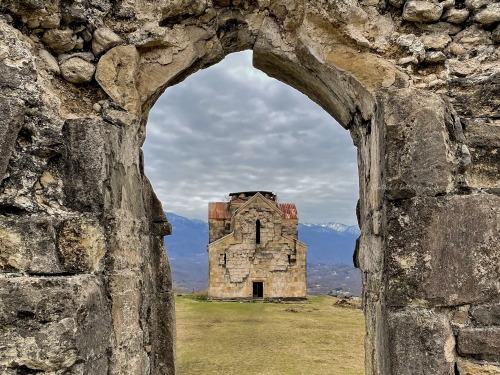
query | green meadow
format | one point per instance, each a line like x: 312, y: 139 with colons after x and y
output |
x: 314, y: 337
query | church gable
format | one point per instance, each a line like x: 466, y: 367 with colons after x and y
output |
x: 259, y: 202
x: 257, y: 221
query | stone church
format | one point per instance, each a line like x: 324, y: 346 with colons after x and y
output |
x: 254, y: 251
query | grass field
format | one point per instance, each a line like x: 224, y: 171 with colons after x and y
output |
x: 304, y: 338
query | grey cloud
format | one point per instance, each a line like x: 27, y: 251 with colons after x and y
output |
x: 231, y: 128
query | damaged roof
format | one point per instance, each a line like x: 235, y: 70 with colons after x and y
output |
x: 288, y: 211
x: 220, y: 210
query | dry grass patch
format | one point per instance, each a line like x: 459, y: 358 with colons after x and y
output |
x: 305, y: 338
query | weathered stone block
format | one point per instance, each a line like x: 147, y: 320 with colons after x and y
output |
x: 158, y: 310
x: 125, y: 286
x: 418, y: 151
x: 480, y: 343
x: 179, y: 8
x: 86, y: 168
x: 466, y: 367
x: 104, y: 39
x: 483, y: 138
x: 85, y: 164
x: 59, y: 40
x: 490, y: 15
x: 476, y: 97
x: 116, y: 72
x: 374, y: 73
x: 12, y: 110
x: 126, y: 306
x: 421, y: 342
x: 28, y: 245
x: 443, y: 250
x: 487, y: 315
x: 483, y: 171
x: 77, y: 70
x: 435, y: 57
x: 475, y: 4
x: 50, y: 61
x: 422, y: 11
x: 437, y: 42
x: 482, y: 134
x: 46, y: 246
x: 54, y: 324
x: 456, y: 16
x: 81, y: 245
x: 119, y: 117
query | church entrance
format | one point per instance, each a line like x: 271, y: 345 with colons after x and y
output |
x: 258, y: 289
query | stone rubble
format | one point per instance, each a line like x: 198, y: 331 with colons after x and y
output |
x: 59, y: 40
x: 77, y: 70
x: 422, y: 11
x: 104, y: 38
x: 50, y: 61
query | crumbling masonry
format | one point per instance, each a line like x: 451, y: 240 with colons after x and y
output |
x: 85, y: 283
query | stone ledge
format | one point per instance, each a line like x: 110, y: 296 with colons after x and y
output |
x: 466, y: 367
x: 487, y: 315
x: 265, y: 300
x: 480, y: 343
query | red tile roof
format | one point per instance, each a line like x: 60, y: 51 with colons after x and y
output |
x: 288, y: 211
x: 217, y: 210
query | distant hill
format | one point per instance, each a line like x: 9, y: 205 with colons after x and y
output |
x: 331, y: 243
x: 187, y: 252
x: 189, y: 237
x: 329, y: 255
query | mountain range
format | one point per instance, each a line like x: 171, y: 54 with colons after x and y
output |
x: 331, y: 243
x: 329, y: 255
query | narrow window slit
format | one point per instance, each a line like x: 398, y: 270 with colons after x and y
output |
x: 257, y: 231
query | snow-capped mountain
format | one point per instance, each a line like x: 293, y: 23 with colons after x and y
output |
x: 189, y: 237
x: 331, y: 243
x: 338, y: 227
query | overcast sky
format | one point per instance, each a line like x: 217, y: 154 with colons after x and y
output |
x: 232, y: 128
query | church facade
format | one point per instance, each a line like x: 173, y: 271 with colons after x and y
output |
x: 253, y: 250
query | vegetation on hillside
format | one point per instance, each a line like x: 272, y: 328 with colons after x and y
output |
x: 314, y: 337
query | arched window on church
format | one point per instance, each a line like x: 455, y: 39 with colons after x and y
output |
x: 257, y: 231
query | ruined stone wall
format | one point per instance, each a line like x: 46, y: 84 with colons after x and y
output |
x: 277, y: 261
x: 290, y: 227
x: 415, y: 82
x: 218, y: 228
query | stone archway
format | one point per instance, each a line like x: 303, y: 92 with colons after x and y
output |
x: 85, y: 281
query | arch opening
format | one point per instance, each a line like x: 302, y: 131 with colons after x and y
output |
x: 257, y: 223
x: 352, y: 104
